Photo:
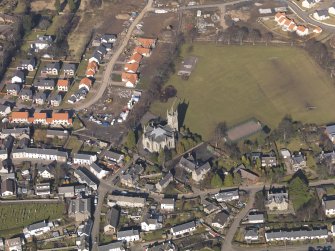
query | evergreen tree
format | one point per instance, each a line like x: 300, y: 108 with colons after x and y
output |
x: 216, y: 181
x: 299, y: 192
x: 72, y: 5
x: 237, y: 178
x: 228, y: 180
x: 131, y: 140
x: 161, y: 157
x: 57, y: 5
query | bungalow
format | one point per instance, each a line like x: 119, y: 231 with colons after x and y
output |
x: 147, y: 42
x: 13, y: 89
x: 251, y: 235
x: 40, y: 154
x: 254, y: 217
x: 298, y: 161
x: 66, y: 191
x: 63, y: 85
x: 80, y: 209
x: 331, y: 9
x: 86, y: 83
x: 44, y: 84
x: 321, y: 15
x: 18, y: 77
x: 112, y: 220
x: 97, y: 57
x: 19, y: 117
x: 60, y: 134
x: 164, y: 182
x: 52, y: 68
x: 135, y: 58
x: 269, y: 159
x: 220, y: 220
x: 26, y: 94
x: 302, y: 31
x: 131, y: 68
x: 84, y: 159
x: 296, y: 234
x: 46, y: 172
x: 168, y: 204
x: 114, y: 156
x: 130, y: 80
x: 98, y: 171
x: 40, y: 98
x: 328, y: 204
x: 113, y: 246
x: 151, y: 224
x: 128, y: 235
x: 227, y: 195
x: 42, y: 189
x: 145, y: 52
x: 56, y: 100
x: 69, y: 69
x: 108, y: 38
x: 37, y: 229
x: 125, y: 201
x: 27, y: 64
x: 8, y: 188
x: 5, y: 110
x: 83, y: 178
x: 181, y: 229
x: 309, y: 3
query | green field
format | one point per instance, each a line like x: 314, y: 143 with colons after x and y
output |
x: 14, y: 217
x: 236, y: 83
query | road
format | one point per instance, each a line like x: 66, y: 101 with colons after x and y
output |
x: 217, y: 5
x: 110, y: 65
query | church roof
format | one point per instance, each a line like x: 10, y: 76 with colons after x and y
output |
x: 159, y: 133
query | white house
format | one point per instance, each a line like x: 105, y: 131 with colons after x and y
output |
x: 309, y: 3
x: 302, y: 31
x: 5, y: 110
x: 14, y: 244
x: 3, y: 154
x: 331, y: 9
x: 98, y: 171
x: 328, y: 204
x: 66, y: 191
x: 42, y: 189
x: 125, y: 201
x: 18, y: 77
x: 187, y: 227
x: 27, y: 64
x: 8, y: 187
x: 296, y: 234
x: 321, y: 15
x: 151, y: 225
x: 84, y: 159
x: 220, y: 220
x: 168, y: 204
x: 227, y: 195
x: 37, y: 229
x: 128, y: 235
x: 41, y: 154
x: 251, y: 235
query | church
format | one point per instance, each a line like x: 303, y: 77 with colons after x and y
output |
x: 158, y: 137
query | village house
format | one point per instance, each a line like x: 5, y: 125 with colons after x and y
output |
x: 112, y: 220
x: 187, y: 163
x: 5, y: 110
x: 56, y: 100
x: 63, y: 85
x: 14, y: 244
x: 60, y: 134
x: 17, y: 133
x: 83, y: 178
x: 149, y: 43
x: 98, y: 171
x: 200, y: 173
x: 18, y: 77
x: 52, y: 68
x: 80, y: 209
x: 86, y: 83
x: 69, y: 69
x: 246, y: 174
x: 277, y: 199
x: 168, y: 204
x: 66, y: 191
x: 164, y: 182
x: 128, y: 180
x: 167, y: 245
x: 309, y: 3
x: 220, y: 220
x: 302, y: 30
x: 269, y: 160
x: 187, y: 66
x: 145, y: 52
x: 46, y: 172
x: 42, y: 189
x: 37, y: 229
x: 108, y: 38
x: 128, y: 235
x: 91, y: 69
x: 101, y: 49
x: 85, y: 229
x: 26, y: 94
x: 40, y: 98
x: 42, y: 43
x: 251, y: 235
x: 254, y: 217
x: 151, y: 224
x: 321, y: 15
x: 113, y: 157
x: 135, y: 58
x: 27, y: 64
x: 13, y: 89
x: 44, y: 84
x: 227, y: 195
x: 131, y: 68
x: 129, y: 79
x: 84, y: 159
x: 328, y: 204
x: 113, y: 246
x: 298, y: 161
x: 331, y: 9
x: 97, y: 57
x: 296, y: 234
x: 8, y: 188
x: 158, y: 137
x: 41, y: 154
x: 181, y: 229
x: 125, y: 201
x: 330, y: 132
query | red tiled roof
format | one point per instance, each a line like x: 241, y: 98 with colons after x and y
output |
x: 20, y: 115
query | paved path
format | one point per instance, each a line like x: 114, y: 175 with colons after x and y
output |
x: 216, y: 5
x: 109, y: 67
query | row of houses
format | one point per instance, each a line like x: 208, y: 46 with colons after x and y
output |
x: 131, y: 69
x: 56, y: 118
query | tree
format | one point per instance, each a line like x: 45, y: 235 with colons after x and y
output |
x: 268, y: 38
x: 131, y: 140
x: 57, y: 6
x: 299, y: 191
x: 161, y: 156
x: 180, y: 148
x: 228, y: 180
x: 237, y: 178
x: 216, y: 181
x: 72, y: 5
x: 220, y: 132
x: 27, y: 24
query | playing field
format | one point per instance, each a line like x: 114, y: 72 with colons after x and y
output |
x: 236, y: 83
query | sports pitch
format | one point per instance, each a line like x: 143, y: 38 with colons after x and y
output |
x: 236, y: 83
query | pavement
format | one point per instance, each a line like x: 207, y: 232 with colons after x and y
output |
x: 106, y: 79
x: 215, y: 5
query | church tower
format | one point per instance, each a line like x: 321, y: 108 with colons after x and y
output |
x: 172, y: 118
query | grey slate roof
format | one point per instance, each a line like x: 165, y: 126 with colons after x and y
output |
x: 53, y: 65
x: 111, y: 246
x: 82, y: 156
x: 19, y: 74
x: 13, y: 87
x: 3, y: 107
x: 57, y: 132
x: 44, y: 83
x: 159, y: 133
x: 42, y: 151
x: 37, y: 225
x: 295, y: 233
x: 125, y: 233
x: 184, y: 226
x: 221, y: 218
x: 113, y: 217
x: 69, y: 67
x: 26, y: 92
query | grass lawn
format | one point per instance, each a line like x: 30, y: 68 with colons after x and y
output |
x: 236, y: 83
x: 74, y: 144
x: 154, y: 235
x: 14, y: 217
